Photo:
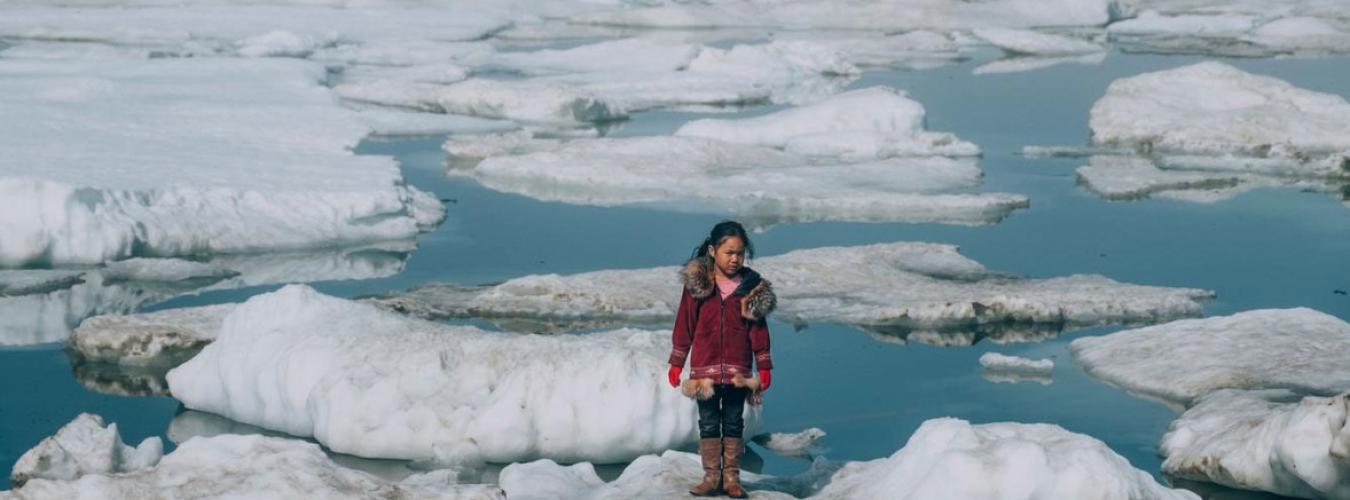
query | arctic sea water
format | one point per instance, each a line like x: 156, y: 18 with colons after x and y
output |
x: 1265, y: 249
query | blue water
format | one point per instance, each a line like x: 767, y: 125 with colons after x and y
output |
x: 1268, y: 248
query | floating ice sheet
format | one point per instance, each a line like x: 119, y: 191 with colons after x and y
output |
x: 1270, y: 440
x: 1132, y: 177
x: 379, y: 384
x: 912, y: 285
x: 1299, y: 349
x: 1036, y: 43
x: 753, y: 182
x: 188, y: 156
x: 796, y: 444
x: 945, y: 458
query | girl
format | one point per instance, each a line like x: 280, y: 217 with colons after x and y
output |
x: 721, y: 323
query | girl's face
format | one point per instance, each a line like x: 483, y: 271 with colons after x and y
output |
x: 728, y: 256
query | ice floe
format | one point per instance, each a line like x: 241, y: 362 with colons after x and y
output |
x: 1031, y: 63
x: 876, y: 122
x: 753, y: 182
x: 1297, y: 349
x: 796, y: 444
x: 1132, y: 177
x: 1268, y: 440
x: 922, y: 286
x: 163, y: 337
x: 84, y: 446
x: 231, y: 466
x: 31, y: 281
x: 380, y: 384
x: 260, y: 161
x: 999, y: 368
x: 945, y: 458
x: 1036, y: 43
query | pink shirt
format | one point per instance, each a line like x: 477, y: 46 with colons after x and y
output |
x: 726, y: 286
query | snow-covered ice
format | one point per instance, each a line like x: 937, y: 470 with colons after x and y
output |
x: 796, y: 444
x: 917, y: 285
x: 373, y: 383
x: 163, y: 337
x: 1298, y: 349
x: 1001, y: 362
x: 1036, y: 43
x: 1212, y: 109
x: 193, y: 156
x: 945, y: 458
x: 84, y: 446
x: 1134, y: 177
x: 394, y: 122
x: 752, y: 182
x: 1270, y: 440
x: 1151, y: 22
x: 231, y: 466
x: 875, y: 122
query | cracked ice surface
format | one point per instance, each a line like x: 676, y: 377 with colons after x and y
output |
x: 945, y: 458
x: 752, y: 182
x: 918, y: 285
x: 1299, y: 349
x: 1269, y: 440
x: 194, y: 156
x: 382, y: 385
x: 232, y: 466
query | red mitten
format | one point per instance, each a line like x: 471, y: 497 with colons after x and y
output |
x: 764, y: 380
x: 675, y: 375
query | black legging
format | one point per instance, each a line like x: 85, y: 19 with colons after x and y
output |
x: 722, y: 415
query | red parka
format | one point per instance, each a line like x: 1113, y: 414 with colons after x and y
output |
x: 722, y: 336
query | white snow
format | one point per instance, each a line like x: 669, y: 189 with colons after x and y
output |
x: 84, y: 446
x: 15, y: 282
x: 1211, y: 109
x: 875, y: 122
x: 1036, y: 43
x: 751, y: 182
x: 1001, y: 362
x: 796, y: 444
x: 378, y: 384
x: 163, y: 337
x: 1299, y: 349
x: 231, y: 466
x: 185, y: 157
x: 946, y: 458
x: 918, y: 285
x: 1271, y: 440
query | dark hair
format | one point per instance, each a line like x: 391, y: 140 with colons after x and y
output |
x: 720, y: 233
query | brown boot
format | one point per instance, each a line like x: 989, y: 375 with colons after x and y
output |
x: 710, y: 450
x: 731, y: 467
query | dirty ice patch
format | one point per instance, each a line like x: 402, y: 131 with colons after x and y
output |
x: 915, y: 285
x: 1269, y: 440
x: 1298, y: 349
x: 162, y: 337
x: 870, y: 123
x: 1212, y: 109
x: 381, y: 385
x: 752, y: 182
x: 84, y: 446
x: 945, y: 458
x: 233, y: 466
x: 188, y: 156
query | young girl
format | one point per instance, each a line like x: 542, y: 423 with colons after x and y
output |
x: 721, y: 323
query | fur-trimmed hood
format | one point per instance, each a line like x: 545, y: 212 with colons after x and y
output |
x: 757, y: 297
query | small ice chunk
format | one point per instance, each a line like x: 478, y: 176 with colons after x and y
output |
x: 797, y: 444
x: 84, y: 446
x: 1270, y: 440
x: 166, y: 337
x: 381, y: 385
x: 163, y: 270
x: 15, y: 282
x: 875, y: 122
x: 1036, y: 43
x: 1210, y: 108
x: 1299, y: 349
x: 232, y: 466
x: 945, y: 458
x: 1001, y: 362
x: 903, y: 285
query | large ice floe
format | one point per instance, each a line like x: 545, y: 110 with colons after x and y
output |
x: 1208, y: 131
x: 373, y: 383
x: 1297, y: 349
x: 234, y: 466
x: 945, y: 458
x: 898, y: 286
x: 84, y: 446
x: 1245, y: 28
x: 193, y: 156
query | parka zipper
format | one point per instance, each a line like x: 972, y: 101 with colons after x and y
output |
x: 721, y: 337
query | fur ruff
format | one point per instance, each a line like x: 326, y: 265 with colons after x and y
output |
x: 698, y: 278
x: 701, y: 389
